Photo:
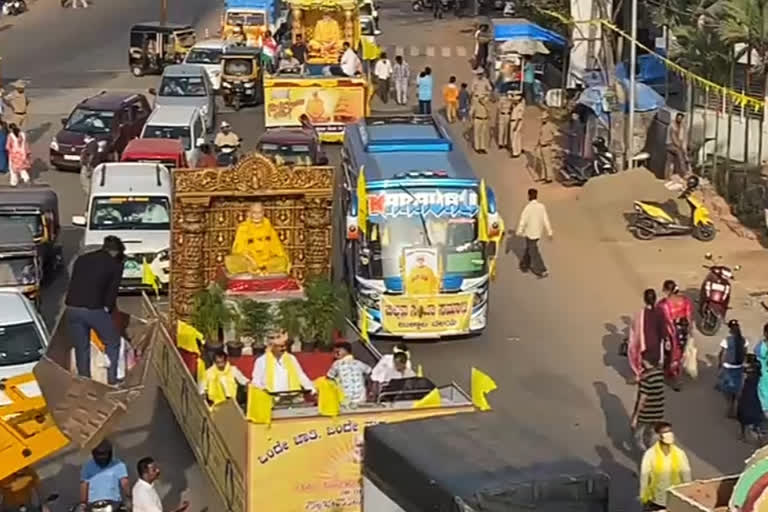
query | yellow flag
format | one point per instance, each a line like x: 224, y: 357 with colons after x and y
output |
x: 419, y: 371
x: 482, y: 216
x: 362, y: 201
x: 481, y: 384
x: 187, y: 337
x: 200, y: 369
x: 329, y: 397
x: 432, y: 399
x: 371, y: 50
x: 259, y: 408
x: 148, y: 277
x: 364, y: 325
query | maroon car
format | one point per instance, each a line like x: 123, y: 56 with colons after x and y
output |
x: 112, y: 118
x: 292, y: 146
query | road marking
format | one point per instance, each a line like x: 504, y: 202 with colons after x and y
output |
x: 414, y: 51
x: 399, y: 50
x: 445, y: 51
x: 430, y: 51
x: 461, y: 51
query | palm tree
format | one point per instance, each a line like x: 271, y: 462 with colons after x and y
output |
x: 702, y: 52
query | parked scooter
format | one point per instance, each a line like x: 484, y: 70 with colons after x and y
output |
x: 576, y: 170
x: 653, y: 219
x: 14, y: 7
x: 714, y: 297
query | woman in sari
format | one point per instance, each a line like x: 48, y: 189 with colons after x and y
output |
x: 761, y: 352
x: 733, y: 351
x: 677, y: 308
x: 646, y: 333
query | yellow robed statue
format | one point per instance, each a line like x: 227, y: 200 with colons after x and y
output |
x: 421, y: 280
x: 257, y: 250
x: 326, y: 36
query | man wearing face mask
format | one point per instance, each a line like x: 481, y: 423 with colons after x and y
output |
x: 664, y: 465
x: 104, y: 478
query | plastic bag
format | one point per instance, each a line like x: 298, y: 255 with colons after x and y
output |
x: 690, y: 359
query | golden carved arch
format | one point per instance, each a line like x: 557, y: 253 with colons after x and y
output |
x: 208, y: 204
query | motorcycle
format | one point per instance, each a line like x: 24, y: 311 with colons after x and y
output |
x: 100, y: 506
x: 714, y: 297
x: 227, y: 155
x: 658, y: 219
x: 14, y: 7
x: 577, y: 170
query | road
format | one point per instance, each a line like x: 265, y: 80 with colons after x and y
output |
x: 551, y: 345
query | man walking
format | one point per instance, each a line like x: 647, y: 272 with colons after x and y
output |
x: 92, y: 295
x: 383, y: 71
x: 504, y: 114
x: 479, y: 114
x: 401, y: 73
x: 516, y: 122
x: 88, y: 160
x: 649, y: 404
x: 664, y: 464
x: 546, y: 145
x: 534, y: 222
x: 17, y: 103
x: 144, y: 497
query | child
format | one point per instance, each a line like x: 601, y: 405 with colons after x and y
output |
x: 749, y: 409
x: 451, y: 99
x: 463, y: 102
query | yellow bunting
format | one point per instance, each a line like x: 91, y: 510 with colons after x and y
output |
x: 481, y: 384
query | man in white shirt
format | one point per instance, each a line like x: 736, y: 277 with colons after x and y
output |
x: 383, y: 73
x: 350, y: 63
x: 383, y: 369
x: 534, y: 221
x: 144, y: 496
x: 277, y: 371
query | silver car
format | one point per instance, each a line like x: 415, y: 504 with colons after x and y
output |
x: 189, y: 86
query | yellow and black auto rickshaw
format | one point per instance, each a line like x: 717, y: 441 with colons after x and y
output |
x: 36, y: 208
x: 241, y: 77
x: 20, y: 266
x: 155, y: 45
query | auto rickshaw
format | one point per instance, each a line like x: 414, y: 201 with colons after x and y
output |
x: 241, y: 77
x: 154, y: 46
x: 37, y: 208
x: 20, y: 266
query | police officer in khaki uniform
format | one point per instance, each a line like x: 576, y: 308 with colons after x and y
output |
x: 547, y: 147
x: 479, y: 114
x: 480, y: 85
x: 516, y: 124
x: 17, y: 104
x: 504, y: 111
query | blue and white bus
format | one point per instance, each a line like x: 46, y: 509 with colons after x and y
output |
x: 413, y: 212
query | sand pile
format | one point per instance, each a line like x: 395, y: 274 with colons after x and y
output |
x: 624, y: 188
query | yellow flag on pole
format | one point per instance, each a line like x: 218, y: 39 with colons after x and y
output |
x: 148, y: 277
x: 432, y: 399
x: 329, y: 397
x: 187, y: 337
x: 481, y: 384
x: 362, y: 201
x: 259, y: 408
x: 482, y: 216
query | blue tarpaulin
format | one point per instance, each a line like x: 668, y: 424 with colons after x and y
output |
x: 650, y: 69
x: 519, y: 28
x: 646, y: 99
x: 249, y: 4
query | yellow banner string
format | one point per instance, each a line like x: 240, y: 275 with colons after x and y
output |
x: 737, y: 97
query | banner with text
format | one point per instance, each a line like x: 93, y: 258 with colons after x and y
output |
x: 438, y: 313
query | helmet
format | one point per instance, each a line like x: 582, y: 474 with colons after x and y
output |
x: 692, y: 182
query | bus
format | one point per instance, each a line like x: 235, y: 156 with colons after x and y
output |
x: 421, y: 231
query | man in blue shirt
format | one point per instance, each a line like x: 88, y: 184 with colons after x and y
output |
x: 103, y: 478
x: 424, y: 85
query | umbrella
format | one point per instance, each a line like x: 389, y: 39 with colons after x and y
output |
x: 523, y: 47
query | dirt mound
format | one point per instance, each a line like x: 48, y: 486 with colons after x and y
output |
x: 624, y: 188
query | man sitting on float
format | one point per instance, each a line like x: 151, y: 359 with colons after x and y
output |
x: 326, y: 37
x: 221, y: 379
x: 278, y: 371
x: 257, y: 250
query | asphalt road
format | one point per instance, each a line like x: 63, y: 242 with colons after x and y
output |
x: 551, y: 344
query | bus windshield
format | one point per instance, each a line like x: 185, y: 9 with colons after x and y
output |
x: 424, y: 218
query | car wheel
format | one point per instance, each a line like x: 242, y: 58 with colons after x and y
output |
x: 137, y: 71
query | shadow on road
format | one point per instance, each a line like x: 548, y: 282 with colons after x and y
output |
x: 624, y: 484
x: 617, y: 420
x: 611, y: 343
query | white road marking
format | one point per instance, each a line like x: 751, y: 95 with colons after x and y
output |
x: 461, y: 51
x: 445, y: 51
x: 399, y: 50
x: 430, y: 51
x: 414, y: 51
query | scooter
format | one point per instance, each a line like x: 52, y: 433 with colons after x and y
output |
x: 653, y: 219
x: 714, y: 297
x: 577, y: 170
x: 422, y: 5
x: 100, y: 506
x: 227, y: 155
x: 14, y: 7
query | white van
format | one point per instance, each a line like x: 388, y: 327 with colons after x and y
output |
x: 183, y: 123
x: 208, y: 55
x: 133, y: 202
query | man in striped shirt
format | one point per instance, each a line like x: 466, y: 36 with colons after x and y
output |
x: 649, y: 407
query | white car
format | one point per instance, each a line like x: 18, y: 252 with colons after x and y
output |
x: 208, y: 55
x: 23, y: 334
x: 183, y: 123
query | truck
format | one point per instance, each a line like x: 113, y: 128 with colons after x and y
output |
x: 469, y: 463
x: 255, y: 16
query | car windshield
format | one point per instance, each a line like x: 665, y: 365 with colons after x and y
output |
x: 124, y: 212
x: 398, y: 222
x: 20, y: 344
x: 238, y: 67
x: 18, y: 270
x: 85, y: 120
x: 298, y: 154
x: 204, y: 56
x: 246, y: 19
x: 31, y: 220
x: 182, y: 86
x: 169, y: 132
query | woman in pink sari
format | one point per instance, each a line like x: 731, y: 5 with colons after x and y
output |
x: 646, y: 333
x: 676, y: 308
x: 18, y: 155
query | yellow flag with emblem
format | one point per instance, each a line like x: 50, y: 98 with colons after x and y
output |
x: 482, y: 216
x: 432, y: 399
x: 329, y: 397
x: 187, y: 337
x: 481, y: 384
x: 362, y: 201
x: 259, y: 409
x: 148, y: 277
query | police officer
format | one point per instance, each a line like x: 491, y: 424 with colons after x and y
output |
x: 516, y: 125
x: 502, y: 121
x: 547, y: 148
x: 17, y: 103
x: 479, y: 114
x: 480, y: 86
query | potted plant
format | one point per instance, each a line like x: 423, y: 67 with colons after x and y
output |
x: 211, y: 315
x: 291, y: 316
x: 325, y: 309
x: 255, y: 321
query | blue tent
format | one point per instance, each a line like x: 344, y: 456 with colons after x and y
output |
x: 650, y: 69
x: 646, y: 99
x: 520, y: 28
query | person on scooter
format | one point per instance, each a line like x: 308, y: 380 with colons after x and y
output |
x: 104, y: 478
x: 676, y: 308
x: 226, y: 140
